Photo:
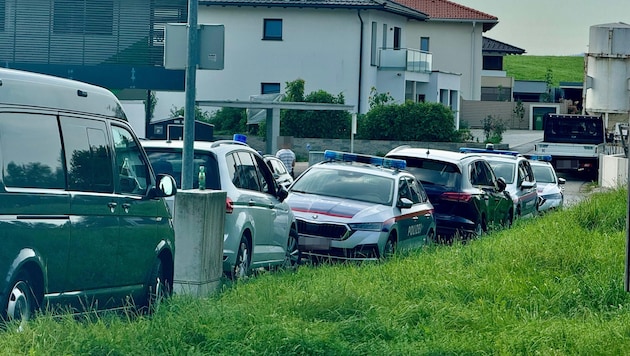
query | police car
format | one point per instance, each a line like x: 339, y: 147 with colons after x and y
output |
x: 550, y: 186
x: 359, y: 207
x: 517, y: 172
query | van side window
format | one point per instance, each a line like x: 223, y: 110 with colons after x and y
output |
x: 248, y: 175
x: 133, y: 171
x: 88, y: 157
x: 31, y: 151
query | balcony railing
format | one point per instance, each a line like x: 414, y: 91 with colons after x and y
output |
x: 410, y: 60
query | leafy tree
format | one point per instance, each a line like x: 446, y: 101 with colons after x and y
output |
x: 229, y: 120
x: 519, y: 111
x: 313, y: 123
x: 493, y: 129
x: 376, y: 98
x: 200, y: 115
x: 547, y: 96
x: 225, y: 120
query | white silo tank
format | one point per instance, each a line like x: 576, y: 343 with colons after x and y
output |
x: 607, y: 72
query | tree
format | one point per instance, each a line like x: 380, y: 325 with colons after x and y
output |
x: 493, y: 129
x: 311, y: 123
x: 200, y: 115
x: 547, y: 96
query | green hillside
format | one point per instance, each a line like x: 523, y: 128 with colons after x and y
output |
x: 563, y: 68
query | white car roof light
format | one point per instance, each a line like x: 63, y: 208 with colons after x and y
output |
x: 353, y: 157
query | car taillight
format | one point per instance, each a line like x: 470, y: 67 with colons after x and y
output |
x: 456, y: 197
x: 229, y: 206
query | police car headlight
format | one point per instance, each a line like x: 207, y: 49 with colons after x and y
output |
x: 366, y: 226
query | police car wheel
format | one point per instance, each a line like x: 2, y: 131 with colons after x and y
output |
x: 390, y: 246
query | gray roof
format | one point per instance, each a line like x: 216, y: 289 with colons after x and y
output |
x: 491, y: 46
x: 530, y: 86
x: 383, y: 5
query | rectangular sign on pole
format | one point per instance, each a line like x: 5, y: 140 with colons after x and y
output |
x: 211, y: 42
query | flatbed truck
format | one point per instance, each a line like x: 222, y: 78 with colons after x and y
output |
x: 575, y: 142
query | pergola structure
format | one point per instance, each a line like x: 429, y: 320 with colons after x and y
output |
x: 273, y: 120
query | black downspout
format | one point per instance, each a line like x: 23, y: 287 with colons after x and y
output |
x: 360, y: 63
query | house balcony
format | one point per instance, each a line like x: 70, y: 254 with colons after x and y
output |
x: 405, y: 59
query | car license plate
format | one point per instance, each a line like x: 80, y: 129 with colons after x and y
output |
x: 309, y: 243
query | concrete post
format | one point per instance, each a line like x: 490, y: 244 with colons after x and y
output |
x: 199, y: 224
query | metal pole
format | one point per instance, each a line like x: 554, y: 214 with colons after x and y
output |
x: 627, y: 272
x: 189, y: 108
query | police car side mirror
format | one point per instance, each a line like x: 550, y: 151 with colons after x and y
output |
x: 501, y: 184
x: 404, y: 203
x: 283, y: 193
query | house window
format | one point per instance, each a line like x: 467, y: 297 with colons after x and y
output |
x: 384, y: 35
x: 272, y: 29
x: 270, y: 88
x: 444, y: 97
x: 492, y: 62
x: 424, y: 44
x: 397, y: 37
x: 79, y: 17
x: 373, y: 51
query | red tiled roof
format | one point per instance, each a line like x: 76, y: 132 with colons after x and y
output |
x: 444, y: 9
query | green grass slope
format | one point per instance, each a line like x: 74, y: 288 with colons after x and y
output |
x: 553, y: 285
x: 563, y: 68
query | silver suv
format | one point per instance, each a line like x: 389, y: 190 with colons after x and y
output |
x: 260, y: 229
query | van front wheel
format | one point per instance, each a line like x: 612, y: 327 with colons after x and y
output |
x: 158, y: 287
x: 20, y: 304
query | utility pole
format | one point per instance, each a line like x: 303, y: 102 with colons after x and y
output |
x: 190, y: 87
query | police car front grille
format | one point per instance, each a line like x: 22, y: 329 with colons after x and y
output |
x: 332, y: 231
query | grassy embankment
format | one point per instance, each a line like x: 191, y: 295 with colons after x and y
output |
x: 551, y: 285
x: 563, y: 68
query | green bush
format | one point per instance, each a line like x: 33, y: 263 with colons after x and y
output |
x: 409, y: 122
x: 309, y: 123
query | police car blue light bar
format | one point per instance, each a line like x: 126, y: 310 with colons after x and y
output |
x: 353, y: 157
x: 544, y: 158
x: 488, y: 150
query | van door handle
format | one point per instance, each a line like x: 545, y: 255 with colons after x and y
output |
x: 126, y: 206
x: 112, y: 206
x: 251, y: 202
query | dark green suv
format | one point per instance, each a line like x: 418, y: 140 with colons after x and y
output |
x: 83, y: 222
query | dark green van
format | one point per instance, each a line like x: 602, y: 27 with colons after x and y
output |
x: 83, y: 222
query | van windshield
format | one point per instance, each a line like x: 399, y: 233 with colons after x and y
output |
x: 170, y: 162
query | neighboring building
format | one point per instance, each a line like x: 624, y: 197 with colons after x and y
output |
x: 117, y: 44
x: 495, y: 84
x: 422, y: 51
x: 172, y: 128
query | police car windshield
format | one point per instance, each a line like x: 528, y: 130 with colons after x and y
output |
x: 345, y: 184
x: 543, y: 174
x: 503, y: 169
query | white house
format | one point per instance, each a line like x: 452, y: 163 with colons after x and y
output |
x: 420, y: 50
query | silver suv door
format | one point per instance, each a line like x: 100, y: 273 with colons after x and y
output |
x: 257, y: 191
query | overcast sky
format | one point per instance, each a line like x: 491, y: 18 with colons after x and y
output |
x: 549, y: 27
